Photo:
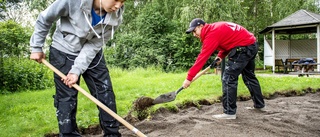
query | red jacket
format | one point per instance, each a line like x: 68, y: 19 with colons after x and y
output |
x: 222, y: 36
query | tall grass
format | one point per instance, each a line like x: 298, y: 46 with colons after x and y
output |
x: 31, y: 113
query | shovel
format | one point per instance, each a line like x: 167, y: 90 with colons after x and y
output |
x: 172, y: 95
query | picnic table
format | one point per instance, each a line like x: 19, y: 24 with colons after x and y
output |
x: 306, y: 69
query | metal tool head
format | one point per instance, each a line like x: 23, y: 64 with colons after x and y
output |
x: 165, y: 98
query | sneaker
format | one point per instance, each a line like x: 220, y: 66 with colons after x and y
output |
x: 260, y: 109
x: 224, y: 116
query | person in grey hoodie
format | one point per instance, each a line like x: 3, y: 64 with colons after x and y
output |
x: 82, y: 28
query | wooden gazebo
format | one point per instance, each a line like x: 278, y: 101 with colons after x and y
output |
x: 300, y: 22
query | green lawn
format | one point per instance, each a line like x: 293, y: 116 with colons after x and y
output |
x: 31, y: 113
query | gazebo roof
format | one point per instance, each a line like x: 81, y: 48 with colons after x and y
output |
x: 301, y: 21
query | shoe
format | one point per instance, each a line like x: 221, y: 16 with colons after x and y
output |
x: 224, y: 116
x: 260, y: 109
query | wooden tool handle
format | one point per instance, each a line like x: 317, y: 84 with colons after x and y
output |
x: 213, y: 64
x: 201, y: 73
x: 76, y: 86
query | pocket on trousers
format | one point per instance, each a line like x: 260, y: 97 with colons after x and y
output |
x: 232, y: 53
x: 55, y: 101
x: 57, y: 58
x: 252, y: 51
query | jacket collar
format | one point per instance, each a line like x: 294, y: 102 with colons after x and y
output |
x: 204, y: 31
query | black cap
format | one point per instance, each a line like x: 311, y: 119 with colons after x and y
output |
x: 195, y: 23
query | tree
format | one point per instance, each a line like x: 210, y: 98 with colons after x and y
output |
x: 4, y: 4
x: 153, y: 30
x: 38, y: 4
x: 14, y: 39
x: 13, y: 44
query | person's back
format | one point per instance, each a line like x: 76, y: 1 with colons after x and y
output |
x: 225, y: 36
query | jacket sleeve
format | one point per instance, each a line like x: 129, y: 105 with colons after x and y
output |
x: 209, y: 45
x: 90, y: 49
x: 44, y: 22
x: 86, y: 55
x: 204, y: 55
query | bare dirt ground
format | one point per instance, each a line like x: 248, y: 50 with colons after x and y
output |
x: 295, y: 116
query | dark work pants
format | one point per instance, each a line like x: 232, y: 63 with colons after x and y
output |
x: 240, y: 61
x: 65, y: 100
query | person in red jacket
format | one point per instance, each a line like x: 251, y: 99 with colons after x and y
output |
x: 236, y: 42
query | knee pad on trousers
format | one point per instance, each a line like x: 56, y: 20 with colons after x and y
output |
x: 107, y: 99
x: 108, y: 123
x: 66, y: 115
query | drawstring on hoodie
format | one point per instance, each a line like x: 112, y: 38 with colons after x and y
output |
x: 91, y: 25
x: 102, y: 31
x: 102, y: 28
x: 102, y: 25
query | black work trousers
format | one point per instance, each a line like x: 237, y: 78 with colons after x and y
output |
x: 65, y: 99
x: 241, y: 60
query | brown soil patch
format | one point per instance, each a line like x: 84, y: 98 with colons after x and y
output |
x: 288, y: 114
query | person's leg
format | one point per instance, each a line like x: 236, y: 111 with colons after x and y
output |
x: 99, y: 83
x: 229, y: 87
x: 253, y: 85
x: 251, y: 81
x: 65, y: 99
x: 237, y: 60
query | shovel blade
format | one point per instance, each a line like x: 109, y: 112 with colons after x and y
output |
x: 165, y: 98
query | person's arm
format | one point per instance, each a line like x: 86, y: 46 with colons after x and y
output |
x: 90, y: 49
x: 209, y: 45
x: 42, y: 26
x: 204, y: 55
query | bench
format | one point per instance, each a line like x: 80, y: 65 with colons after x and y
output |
x: 309, y: 73
x: 280, y: 64
x: 289, y: 64
x: 306, y: 69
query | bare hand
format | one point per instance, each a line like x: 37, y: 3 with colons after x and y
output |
x: 186, y: 83
x: 219, y: 60
x: 37, y: 56
x: 70, y: 79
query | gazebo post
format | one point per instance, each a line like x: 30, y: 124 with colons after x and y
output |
x: 273, y: 50
x: 318, y: 46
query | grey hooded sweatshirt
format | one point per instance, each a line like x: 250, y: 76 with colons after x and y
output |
x: 74, y: 33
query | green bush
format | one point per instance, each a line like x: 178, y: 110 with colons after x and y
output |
x: 23, y: 74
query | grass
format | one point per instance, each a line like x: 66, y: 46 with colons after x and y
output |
x: 31, y: 113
